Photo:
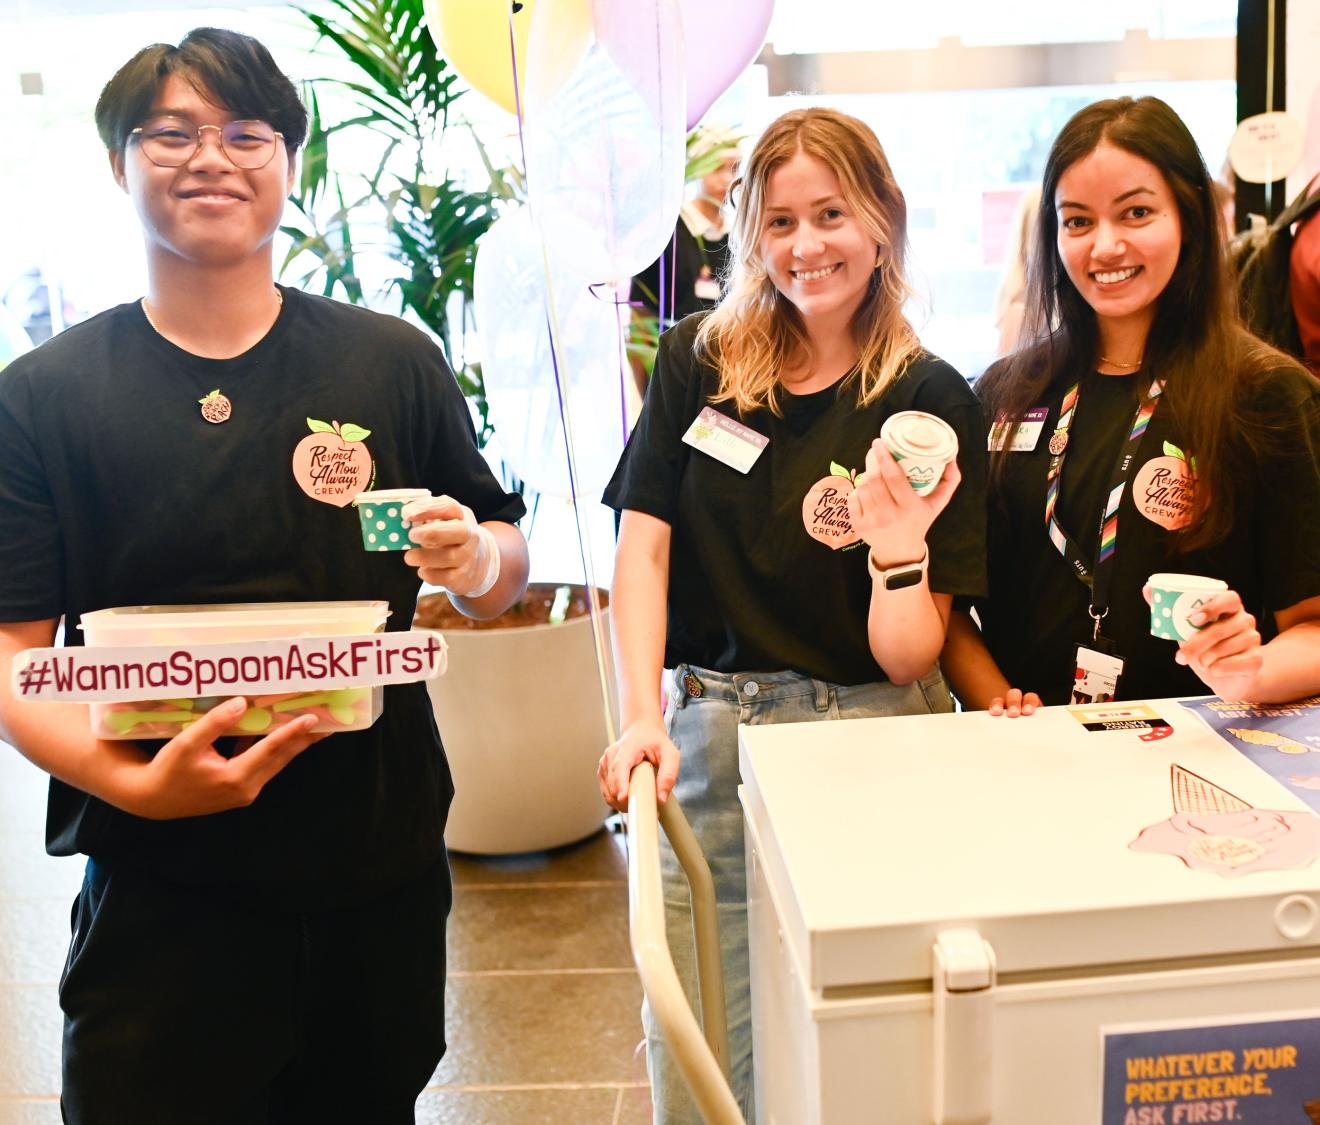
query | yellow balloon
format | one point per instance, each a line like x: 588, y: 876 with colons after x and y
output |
x: 474, y: 36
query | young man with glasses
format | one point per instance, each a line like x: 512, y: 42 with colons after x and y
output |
x: 260, y: 933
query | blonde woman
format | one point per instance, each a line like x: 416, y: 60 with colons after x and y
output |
x: 755, y: 564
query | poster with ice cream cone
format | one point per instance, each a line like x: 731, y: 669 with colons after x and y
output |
x: 1283, y: 739
x: 1215, y: 831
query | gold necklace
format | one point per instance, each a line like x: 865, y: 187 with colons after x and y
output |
x: 216, y: 407
x: 1115, y: 363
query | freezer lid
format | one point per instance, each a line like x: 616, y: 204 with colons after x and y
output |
x: 876, y: 834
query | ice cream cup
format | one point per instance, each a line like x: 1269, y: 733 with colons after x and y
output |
x: 922, y: 444
x: 381, y: 513
x: 1173, y: 597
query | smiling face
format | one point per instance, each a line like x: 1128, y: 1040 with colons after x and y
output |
x: 813, y: 245
x: 1119, y: 234
x: 207, y: 211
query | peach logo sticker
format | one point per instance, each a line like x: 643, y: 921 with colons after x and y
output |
x: 332, y: 463
x: 1165, y: 487
x: 825, y: 508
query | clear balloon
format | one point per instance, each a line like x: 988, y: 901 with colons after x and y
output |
x: 605, y: 143
x: 722, y: 38
x: 512, y: 321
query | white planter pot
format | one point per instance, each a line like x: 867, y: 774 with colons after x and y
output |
x: 521, y: 717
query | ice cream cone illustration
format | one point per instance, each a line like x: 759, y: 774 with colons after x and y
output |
x: 1280, y: 742
x: 1216, y: 831
x: 1193, y: 794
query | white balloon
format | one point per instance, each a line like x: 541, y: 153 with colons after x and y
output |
x: 511, y: 310
x: 605, y: 145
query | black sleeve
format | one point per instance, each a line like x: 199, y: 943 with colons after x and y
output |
x: 1287, y: 523
x: 648, y: 473
x: 957, y: 537
x: 31, y: 546
x: 456, y: 466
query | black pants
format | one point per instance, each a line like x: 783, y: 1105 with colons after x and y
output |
x: 183, y: 1010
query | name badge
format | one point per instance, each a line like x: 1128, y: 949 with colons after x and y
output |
x: 1028, y: 433
x: 719, y: 436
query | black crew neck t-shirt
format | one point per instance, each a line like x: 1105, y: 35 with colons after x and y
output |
x: 115, y: 491
x: 751, y: 588
x: 1037, y: 610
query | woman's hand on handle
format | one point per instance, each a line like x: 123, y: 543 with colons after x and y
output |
x: 642, y: 741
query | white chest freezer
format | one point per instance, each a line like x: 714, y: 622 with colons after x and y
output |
x: 948, y: 919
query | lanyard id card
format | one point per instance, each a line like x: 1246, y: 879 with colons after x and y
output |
x: 1025, y: 437
x: 1095, y: 679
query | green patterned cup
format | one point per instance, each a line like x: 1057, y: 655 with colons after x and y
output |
x: 381, y: 513
x: 1173, y: 598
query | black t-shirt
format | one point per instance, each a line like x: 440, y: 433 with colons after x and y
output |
x: 114, y: 491
x: 750, y: 587
x: 1036, y: 613
x: 691, y: 260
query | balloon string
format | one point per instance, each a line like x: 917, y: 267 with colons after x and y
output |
x: 594, y: 609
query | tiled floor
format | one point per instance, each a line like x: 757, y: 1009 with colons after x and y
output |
x: 543, y: 999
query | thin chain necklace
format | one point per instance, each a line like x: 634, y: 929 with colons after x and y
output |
x: 1115, y: 363
x: 216, y: 407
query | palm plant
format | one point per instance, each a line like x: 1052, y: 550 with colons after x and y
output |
x: 401, y: 94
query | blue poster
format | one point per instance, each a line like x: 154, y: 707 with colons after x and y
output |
x: 1282, y: 738
x: 1263, y: 1072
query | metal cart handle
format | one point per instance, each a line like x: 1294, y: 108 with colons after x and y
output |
x: 703, y: 1061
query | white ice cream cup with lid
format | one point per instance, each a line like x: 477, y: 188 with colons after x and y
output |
x: 923, y: 444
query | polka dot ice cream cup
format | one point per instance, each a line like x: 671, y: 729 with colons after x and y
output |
x: 1173, y: 598
x: 922, y: 444
x: 381, y: 513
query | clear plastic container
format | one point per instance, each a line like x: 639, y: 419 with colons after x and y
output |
x: 351, y: 708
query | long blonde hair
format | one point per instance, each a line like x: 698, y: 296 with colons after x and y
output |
x: 755, y: 332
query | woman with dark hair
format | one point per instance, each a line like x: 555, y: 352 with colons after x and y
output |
x: 1141, y: 429
x: 742, y: 490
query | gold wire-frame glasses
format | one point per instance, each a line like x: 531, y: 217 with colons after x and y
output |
x: 170, y: 142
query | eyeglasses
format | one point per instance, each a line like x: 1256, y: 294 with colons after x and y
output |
x: 171, y: 142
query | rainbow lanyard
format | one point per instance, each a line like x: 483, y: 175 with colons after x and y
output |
x: 1096, y: 578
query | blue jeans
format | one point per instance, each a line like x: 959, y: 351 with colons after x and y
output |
x: 705, y: 729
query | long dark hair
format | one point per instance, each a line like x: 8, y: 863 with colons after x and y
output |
x: 1197, y: 343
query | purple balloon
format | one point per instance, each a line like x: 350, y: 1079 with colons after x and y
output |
x: 721, y: 38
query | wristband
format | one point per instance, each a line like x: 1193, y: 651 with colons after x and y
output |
x: 903, y: 575
x: 492, y: 574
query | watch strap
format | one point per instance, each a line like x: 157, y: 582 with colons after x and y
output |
x: 900, y: 576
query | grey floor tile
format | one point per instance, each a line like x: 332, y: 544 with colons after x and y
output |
x: 34, y: 940
x: 634, y: 1106
x: 550, y: 927
x: 43, y: 1112
x: 30, y: 1033
x: 542, y: 1029
x: 599, y: 858
x: 517, y: 1107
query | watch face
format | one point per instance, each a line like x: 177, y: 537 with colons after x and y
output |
x: 904, y: 578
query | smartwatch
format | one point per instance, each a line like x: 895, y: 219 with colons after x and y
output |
x: 901, y: 576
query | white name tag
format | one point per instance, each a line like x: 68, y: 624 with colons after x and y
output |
x: 1028, y: 433
x: 729, y: 442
